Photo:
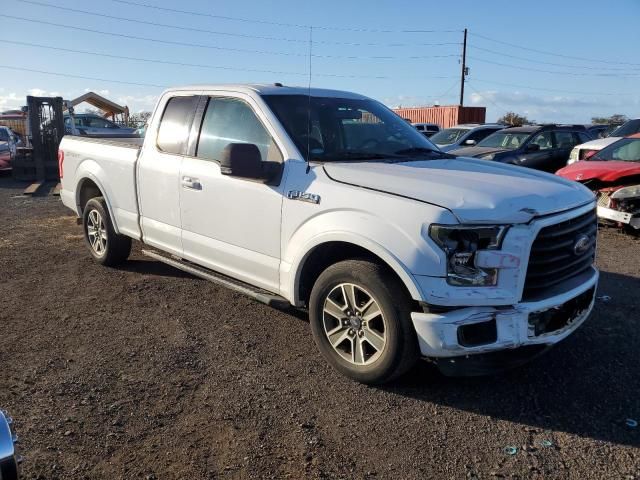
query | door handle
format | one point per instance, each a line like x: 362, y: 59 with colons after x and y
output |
x: 191, y: 183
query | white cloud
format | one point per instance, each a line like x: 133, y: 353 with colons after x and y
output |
x: 11, y: 101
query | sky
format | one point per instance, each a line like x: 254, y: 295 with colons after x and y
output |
x: 552, y: 61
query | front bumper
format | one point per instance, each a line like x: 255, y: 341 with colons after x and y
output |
x: 442, y: 335
x: 618, y: 216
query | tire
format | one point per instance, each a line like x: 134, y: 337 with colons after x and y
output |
x: 367, y: 347
x: 105, y: 245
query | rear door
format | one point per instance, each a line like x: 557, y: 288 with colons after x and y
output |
x: 565, y: 140
x: 231, y: 225
x: 159, y: 186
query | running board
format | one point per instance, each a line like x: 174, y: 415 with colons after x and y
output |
x: 257, y: 294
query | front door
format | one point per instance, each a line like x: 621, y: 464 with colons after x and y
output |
x: 159, y: 175
x: 231, y: 225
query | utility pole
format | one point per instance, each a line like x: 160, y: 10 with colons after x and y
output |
x: 464, y: 68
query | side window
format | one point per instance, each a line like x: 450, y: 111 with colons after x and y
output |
x: 175, y: 124
x: 230, y: 120
x: 582, y: 137
x: 543, y: 139
x: 480, y: 134
x: 564, y: 139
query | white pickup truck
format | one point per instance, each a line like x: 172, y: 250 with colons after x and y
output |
x: 328, y: 200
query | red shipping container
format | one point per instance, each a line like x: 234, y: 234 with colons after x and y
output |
x: 446, y: 116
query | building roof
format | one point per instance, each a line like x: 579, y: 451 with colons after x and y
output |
x: 99, y: 102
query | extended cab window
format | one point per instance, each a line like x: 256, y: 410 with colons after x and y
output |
x: 230, y: 120
x: 175, y: 124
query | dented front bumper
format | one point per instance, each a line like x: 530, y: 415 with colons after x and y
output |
x: 483, y: 329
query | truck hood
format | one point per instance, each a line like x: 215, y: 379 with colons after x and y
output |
x: 475, y: 191
x: 477, y: 151
x: 605, y: 171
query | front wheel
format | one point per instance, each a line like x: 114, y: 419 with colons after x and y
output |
x: 361, y: 321
x: 106, y: 246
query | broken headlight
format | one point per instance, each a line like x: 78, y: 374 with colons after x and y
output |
x: 460, y: 244
x: 626, y: 192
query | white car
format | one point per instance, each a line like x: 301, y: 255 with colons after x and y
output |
x: 586, y: 150
x: 328, y: 200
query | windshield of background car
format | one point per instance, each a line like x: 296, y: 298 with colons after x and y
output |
x: 342, y: 129
x: 448, y: 136
x: 4, y: 135
x: 626, y: 129
x: 506, y: 140
x: 626, y: 150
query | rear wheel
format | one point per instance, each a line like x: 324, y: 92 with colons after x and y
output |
x: 106, y: 246
x: 360, y: 320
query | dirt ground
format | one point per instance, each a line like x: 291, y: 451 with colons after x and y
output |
x: 145, y: 372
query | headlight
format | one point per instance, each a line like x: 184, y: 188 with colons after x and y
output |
x: 626, y: 192
x: 488, y: 157
x: 460, y: 244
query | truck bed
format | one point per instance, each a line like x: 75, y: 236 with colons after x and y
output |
x: 129, y: 141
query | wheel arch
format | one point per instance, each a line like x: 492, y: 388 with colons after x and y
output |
x: 333, y: 248
x: 89, y: 187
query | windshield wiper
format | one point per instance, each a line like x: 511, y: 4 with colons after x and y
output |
x: 355, y: 155
x: 424, y: 151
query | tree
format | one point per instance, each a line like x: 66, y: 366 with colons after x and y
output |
x: 139, y: 119
x: 616, y: 119
x: 514, y: 120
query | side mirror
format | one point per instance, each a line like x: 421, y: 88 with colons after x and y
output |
x: 243, y: 160
x: 470, y: 142
x: 532, y: 147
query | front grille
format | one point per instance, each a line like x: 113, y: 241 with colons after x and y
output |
x: 553, y: 260
x: 603, y: 199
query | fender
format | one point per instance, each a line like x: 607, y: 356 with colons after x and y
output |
x: 89, y: 169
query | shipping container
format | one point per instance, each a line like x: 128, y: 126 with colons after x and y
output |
x: 15, y: 121
x: 446, y: 116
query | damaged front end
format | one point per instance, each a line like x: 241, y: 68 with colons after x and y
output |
x: 619, y: 206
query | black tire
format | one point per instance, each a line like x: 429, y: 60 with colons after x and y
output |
x: 115, y: 248
x: 400, y: 350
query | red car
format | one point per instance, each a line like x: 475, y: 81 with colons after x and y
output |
x: 614, y: 175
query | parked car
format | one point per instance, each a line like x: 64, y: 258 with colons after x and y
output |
x: 7, y: 147
x: 613, y: 174
x: 427, y: 129
x: 543, y: 147
x: 587, y: 149
x: 89, y: 124
x: 464, y: 135
x: 598, y: 130
x: 294, y: 195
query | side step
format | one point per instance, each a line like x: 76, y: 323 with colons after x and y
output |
x: 257, y: 294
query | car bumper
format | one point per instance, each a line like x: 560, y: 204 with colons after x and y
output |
x: 475, y: 330
x: 618, y: 216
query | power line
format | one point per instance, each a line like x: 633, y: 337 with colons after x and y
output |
x: 571, y: 92
x: 484, y: 97
x: 182, y: 64
x: 279, y: 24
x: 552, y: 53
x: 502, y: 54
x: 573, y: 74
x: 230, y: 34
x: 215, y: 47
x: 67, y: 75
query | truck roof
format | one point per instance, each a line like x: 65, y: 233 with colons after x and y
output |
x: 271, y: 89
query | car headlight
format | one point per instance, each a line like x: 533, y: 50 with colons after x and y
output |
x: 626, y: 192
x: 460, y: 244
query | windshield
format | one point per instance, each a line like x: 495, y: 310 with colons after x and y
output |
x: 341, y: 129
x: 507, y: 140
x: 626, y: 150
x: 448, y: 136
x: 4, y: 135
x: 626, y: 129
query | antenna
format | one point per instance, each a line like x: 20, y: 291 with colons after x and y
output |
x: 309, y: 104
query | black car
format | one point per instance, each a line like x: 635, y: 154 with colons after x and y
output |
x: 543, y: 147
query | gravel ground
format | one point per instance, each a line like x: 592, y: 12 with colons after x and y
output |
x: 145, y: 372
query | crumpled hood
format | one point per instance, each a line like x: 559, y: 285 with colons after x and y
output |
x: 476, y: 191
x: 477, y: 151
x: 606, y: 171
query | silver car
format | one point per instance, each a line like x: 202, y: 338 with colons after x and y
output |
x: 89, y: 124
x: 464, y: 135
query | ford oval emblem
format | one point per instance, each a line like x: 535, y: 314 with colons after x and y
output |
x: 581, y: 245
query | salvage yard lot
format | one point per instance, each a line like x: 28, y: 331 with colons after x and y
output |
x: 146, y: 372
